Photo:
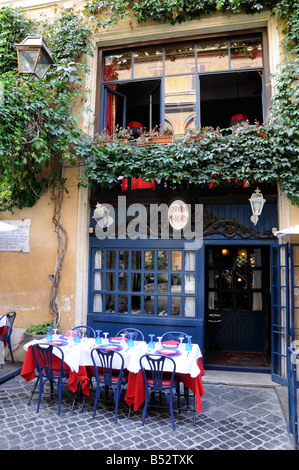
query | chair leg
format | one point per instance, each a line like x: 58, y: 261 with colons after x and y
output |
x: 10, y: 350
x: 32, y: 393
x: 98, y: 391
x: 171, y: 409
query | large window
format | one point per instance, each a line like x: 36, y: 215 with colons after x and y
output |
x: 182, y: 85
x: 144, y: 282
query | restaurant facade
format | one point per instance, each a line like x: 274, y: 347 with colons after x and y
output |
x: 224, y: 282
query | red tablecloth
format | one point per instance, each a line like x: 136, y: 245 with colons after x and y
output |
x: 2, y: 333
x: 135, y: 394
x: 83, y: 374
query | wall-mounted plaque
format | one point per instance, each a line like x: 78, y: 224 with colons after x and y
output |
x: 178, y: 214
x: 16, y: 239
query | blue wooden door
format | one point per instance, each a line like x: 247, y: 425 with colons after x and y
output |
x: 237, y: 297
x: 280, y: 311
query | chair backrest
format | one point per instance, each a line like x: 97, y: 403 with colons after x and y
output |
x: 138, y: 335
x: 85, y: 330
x: 43, y: 355
x: 105, y: 363
x: 155, y: 363
x: 10, y: 318
x: 173, y: 335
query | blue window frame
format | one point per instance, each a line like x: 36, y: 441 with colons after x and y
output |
x: 198, y: 83
x: 143, y: 282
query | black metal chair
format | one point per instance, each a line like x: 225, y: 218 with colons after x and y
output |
x: 138, y: 335
x: 156, y: 379
x: 6, y: 336
x: 106, y: 376
x: 85, y: 330
x: 43, y: 355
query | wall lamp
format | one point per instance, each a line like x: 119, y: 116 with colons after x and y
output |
x: 34, y: 56
x: 257, y: 202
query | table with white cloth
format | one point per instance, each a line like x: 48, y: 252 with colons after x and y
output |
x: 78, y: 363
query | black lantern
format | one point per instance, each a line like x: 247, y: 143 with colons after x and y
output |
x: 34, y: 56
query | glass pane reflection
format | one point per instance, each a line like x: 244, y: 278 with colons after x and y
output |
x: 148, y: 62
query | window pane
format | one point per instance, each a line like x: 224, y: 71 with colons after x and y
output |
x: 212, y: 55
x: 162, y: 305
x: 241, y: 260
x: 162, y: 260
x: 176, y: 261
x: 136, y: 282
x: 111, y: 257
x: 110, y: 281
x: 136, y: 305
x: 179, y: 58
x: 110, y: 303
x: 162, y: 283
x: 123, y: 281
x: 99, y: 259
x: 118, y: 66
x: 176, y: 306
x: 123, y: 260
x: 227, y: 257
x: 98, y: 285
x: 136, y: 260
x: 149, y: 305
x: 189, y: 284
x: 245, y: 54
x: 213, y: 300
x: 123, y: 304
x: 149, y: 260
x: 190, y: 307
x: 190, y: 260
x: 148, y: 62
x: 180, y: 120
x: 176, y: 281
x: 179, y: 92
x: 97, y: 303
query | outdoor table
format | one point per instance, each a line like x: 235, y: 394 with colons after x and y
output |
x: 188, y: 367
x: 78, y: 362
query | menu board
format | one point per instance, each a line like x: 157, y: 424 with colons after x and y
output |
x: 17, y: 239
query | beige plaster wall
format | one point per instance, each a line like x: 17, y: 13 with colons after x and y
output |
x: 24, y: 277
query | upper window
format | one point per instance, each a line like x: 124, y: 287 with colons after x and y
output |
x: 183, y: 85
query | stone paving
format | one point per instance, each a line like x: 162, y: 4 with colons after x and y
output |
x: 233, y: 418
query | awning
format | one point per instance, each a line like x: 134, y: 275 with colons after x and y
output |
x: 292, y: 230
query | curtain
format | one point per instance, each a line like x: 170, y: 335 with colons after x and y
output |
x: 97, y: 300
x: 190, y: 265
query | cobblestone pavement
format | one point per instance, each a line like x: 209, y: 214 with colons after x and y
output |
x: 233, y: 418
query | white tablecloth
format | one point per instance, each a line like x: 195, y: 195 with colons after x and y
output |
x: 79, y: 354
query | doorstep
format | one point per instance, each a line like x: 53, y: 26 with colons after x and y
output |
x: 245, y: 379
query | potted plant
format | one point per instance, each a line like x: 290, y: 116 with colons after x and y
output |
x: 36, y: 331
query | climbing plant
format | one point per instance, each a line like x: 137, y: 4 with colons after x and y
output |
x: 39, y: 134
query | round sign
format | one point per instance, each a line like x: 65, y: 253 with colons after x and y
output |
x: 178, y: 214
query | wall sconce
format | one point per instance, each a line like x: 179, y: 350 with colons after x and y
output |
x: 34, y: 56
x: 257, y: 202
